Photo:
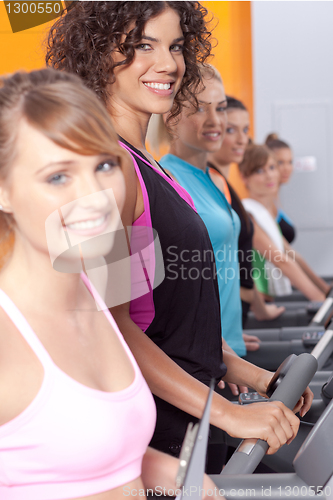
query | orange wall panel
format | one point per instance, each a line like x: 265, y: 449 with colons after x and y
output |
x: 22, y: 50
x: 233, y: 54
x: 233, y: 59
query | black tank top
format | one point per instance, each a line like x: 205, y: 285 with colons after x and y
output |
x: 186, y: 325
x: 287, y: 229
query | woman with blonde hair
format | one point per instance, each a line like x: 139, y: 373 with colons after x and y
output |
x: 76, y: 414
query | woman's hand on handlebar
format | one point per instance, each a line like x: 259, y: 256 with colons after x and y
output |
x: 304, y: 403
x: 272, y: 422
x: 235, y: 389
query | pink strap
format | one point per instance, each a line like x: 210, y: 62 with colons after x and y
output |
x: 142, y: 309
x: 177, y: 187
x: 109, y: 317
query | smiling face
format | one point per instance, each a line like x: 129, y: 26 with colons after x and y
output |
x: 150, y: 83
x: 284, y: 161
x: 202, y: 131
x: 236, y: 138
x: 60, y: 199
x: 264, y: 181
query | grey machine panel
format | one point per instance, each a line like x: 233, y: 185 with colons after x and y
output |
x: 314, y: 460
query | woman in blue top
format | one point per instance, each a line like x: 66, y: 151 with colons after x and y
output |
x: 196, y: 134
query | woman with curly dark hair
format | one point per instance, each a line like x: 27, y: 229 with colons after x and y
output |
x: 142, y: 58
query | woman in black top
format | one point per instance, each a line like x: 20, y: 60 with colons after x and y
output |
x: 232, y: 151
x: 142, y: 58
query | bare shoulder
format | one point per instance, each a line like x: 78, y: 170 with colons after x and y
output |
x: 21, y: 373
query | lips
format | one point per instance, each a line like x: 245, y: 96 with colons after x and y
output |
x: 214, y: 135
x: 160, y: 88
x: 238, y: 151
x: 88, y: 227
x: 87, y: 224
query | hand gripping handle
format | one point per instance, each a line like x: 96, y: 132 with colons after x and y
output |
x: 251, y: 451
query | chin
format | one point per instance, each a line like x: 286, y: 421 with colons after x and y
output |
x: 86, y: 255
x: 160, y: 106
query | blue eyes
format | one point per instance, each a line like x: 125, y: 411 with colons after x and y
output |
x: 263, y: 170
x: 231, y: 130
x: 104, y: 167
x: 201, y: 109
x: 57, y: 179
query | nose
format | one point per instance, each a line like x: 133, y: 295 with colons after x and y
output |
x: 214, y: 118
x: 90, y: 194
x: 242, y: 138
x: 270, y: 174
x: 165, y: 61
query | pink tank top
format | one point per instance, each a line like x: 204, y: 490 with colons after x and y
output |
x: 72, y: 440
x: 142, y: 309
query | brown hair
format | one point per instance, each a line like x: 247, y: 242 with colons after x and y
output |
x: 82, y: 40
x: 59, y: 106
x: 273, y: 142
x: 255, y: 157
x: 233, y: 103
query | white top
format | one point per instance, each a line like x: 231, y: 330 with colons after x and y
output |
x: 278, y: 284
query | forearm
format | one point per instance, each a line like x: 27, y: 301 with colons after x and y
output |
x: 258, y: 305
x: 166, y: 379
x: 316, y: 280
x: 286, y: 263
x: 246, y: 294
x: 300, y: 280
x: 242, y: 372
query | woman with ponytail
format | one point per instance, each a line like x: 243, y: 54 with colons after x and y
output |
x: 275, y: 264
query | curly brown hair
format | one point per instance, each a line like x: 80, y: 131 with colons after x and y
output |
x: 82, y: 40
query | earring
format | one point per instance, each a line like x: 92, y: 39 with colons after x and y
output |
x: 1, y: 207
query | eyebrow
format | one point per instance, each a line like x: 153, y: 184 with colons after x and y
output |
x: 56, y: 163
x: 151, y: 39
x: 235, y: 125
x: 205, y: 102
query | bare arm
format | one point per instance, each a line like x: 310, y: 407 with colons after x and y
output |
x: 171, y: 383
x: 273, y: 423
x: 159, y: 473
x: 286, y: 263
x: 316, y: 280
x: 263, y: 311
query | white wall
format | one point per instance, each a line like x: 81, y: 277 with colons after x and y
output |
x: 293, y: 95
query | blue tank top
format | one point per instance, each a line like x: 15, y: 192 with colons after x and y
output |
x: 223, y: 226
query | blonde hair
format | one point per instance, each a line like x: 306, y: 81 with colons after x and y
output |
x: 159, y: 133
x: 59, y: 106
